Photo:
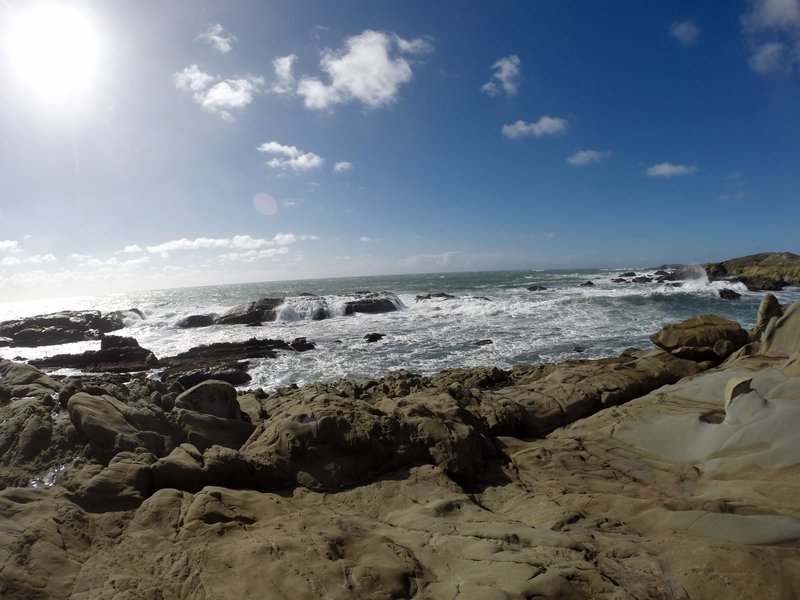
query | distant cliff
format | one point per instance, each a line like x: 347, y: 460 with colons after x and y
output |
x: 765, y: 271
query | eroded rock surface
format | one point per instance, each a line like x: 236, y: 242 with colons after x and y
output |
x: 639, y: 476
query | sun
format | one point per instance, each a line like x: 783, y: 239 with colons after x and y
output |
x: 52, y: 49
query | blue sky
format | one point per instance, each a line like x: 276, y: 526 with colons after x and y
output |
x: 158, y: 144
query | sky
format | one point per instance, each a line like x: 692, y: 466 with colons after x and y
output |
x: 152, y: 144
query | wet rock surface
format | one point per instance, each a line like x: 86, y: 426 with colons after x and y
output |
x: 63, y: 327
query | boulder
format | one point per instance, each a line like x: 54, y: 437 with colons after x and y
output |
x: 642, y: 279
x: 205, y: 430
x: 60, y: 328
x: 116, y: 355
x: 252, y: 313
x: 215, y: 398
x: 435, y: 296
x: 587, y: 284
x: 372, y: 303
x: 234, y: 373
x: 536, y: 288
x: 629, y: 274
x: 374, y: 337
x: 193, y: 321
x: 764, y: 271
x: 769, y: 309
x: 729, y: 294
x: 695, y: 338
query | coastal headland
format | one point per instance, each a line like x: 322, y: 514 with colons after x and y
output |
x: 665, y: 472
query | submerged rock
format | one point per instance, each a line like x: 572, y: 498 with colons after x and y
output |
x: 729, y: 294
x: 252, y: 313
x: 193, y: 321
x: 372, y: 303
x: 374, y: 337
x: 434, y: 296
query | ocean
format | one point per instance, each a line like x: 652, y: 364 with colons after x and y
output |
x: 567, y: 320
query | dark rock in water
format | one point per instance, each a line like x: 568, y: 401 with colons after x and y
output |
x: 116, y: 355
x: 374, y: 337
x: 230, y: 351
x: 197, y: 321
x: 697, y: 338
x: 60, y: 328
x: 661, y: 273
x: 619, y: 280
x: 729, y: 294
x: 372, y: 303
x: 484, y: 342
x: 579, y: 349
x: 536, y: 288
x: 675, y: 284
x: 642, y: 279
x: 437, y: 295
x: 301, y: 344
x: 628, y: 274
x: 5, y: 342
x: 252, y: 313
x: 587, y: 284
x: 234, y: 373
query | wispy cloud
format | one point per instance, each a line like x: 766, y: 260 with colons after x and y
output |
x: 506, y: 76
x: 587, y: 157
x: 218, y: 37
x: 284, y: 74
x: 11, y: 246
x: 544, y: 126
x: 215, y: 95
x: 667, y: 169
x: 686, y: 32
x: 343, y: 166
x: 290, y: 158
x: 772, y: 28
x: 368, y: 69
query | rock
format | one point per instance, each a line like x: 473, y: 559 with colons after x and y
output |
x: 642, y: 279
x: 587, y: 284
x: 374, y: 337
x: 301, y: 344
x: 661, y: 273
x: 215, y: 398
x: 629, y: 274
x: 696, y: 337
x: 116, y: 355
x: 729, y: 294
x: 372, y: 303
x: 205, y: 430
x: 484, y: 343
x: 769, y: 309
x: 579, y: 349
x: 765, y: 271
x: 234, y: 373
x: 252, y: 313
x: 228, y: 352
x: 619, y: 280
x: 536, y: 288
x: 435, y: 296
x: 60, y: 328
x: 193, y: 321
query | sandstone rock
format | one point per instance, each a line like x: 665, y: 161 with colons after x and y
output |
x: 215, y: 398
x: 769, y: 309
x: 204, y: 430
x: 233, y: 373
x: 765, y: 271
x: 694, y: 338
x: 255, y: 312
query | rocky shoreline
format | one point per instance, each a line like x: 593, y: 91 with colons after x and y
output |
x: 668, y: 472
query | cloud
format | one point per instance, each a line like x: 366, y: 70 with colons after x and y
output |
x: 587, y: 157
x: 290, y: 157
x: 367, y: 70
x: 254, y: 255
x: 237, y: 242
x: 343, y: 166
x: 218, y: 37
x: 223, y: 95
x: 686, y: 32
x: 544, y: 126
x: 365, y: 239
x: 284, y: 67
x: 666, y: 169
x: 187, y: 244
x: 506, y: 76
x: 9, y: 261
x: 549, y: 235
x: 132, y: 248
x: 772, y: 28
x: 11, y: 246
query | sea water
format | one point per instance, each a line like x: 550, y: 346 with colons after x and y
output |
x: 567, y: 320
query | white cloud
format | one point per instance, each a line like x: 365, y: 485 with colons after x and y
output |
x: 284, y: 72
x: 365, y: 239
x: 773, y: 31
x: 505, y: 78
x: 341, y: 167
x: 254, y: 255
x: 9, y: 261
x: 587, y: 157
x: 10, y: 246
x: 79, y: 257
x: 38, y: 259
x: 132, y: 248
x: 218, y: 37
x: 686, y: 32
x: 237, y: 242
x: 187, y: 244
x: 544, y: 126
x: 666, y: 169
x: 222, y: 96
x: 246, y: 241
x: 290, y: 157
x: 367, y: 69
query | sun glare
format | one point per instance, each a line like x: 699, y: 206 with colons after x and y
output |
x: 53, y: 51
